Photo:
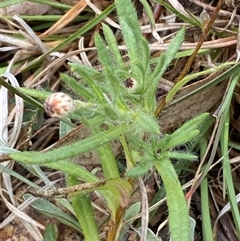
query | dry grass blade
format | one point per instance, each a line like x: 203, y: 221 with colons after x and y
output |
x: 206, y: 30
x: 17, y: 212
x: 15, y: 41
x: 145, y: 213
x: 213, y: 44
x: 100, y: 4
x: 31, y: 34
x: 67, y: 18
x: 201, y: 102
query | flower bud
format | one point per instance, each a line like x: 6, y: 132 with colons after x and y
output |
x: 59, y: 105
x: 131, y: 84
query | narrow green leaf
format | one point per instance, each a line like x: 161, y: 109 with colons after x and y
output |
x: 50, y: 233
x: 132, y: 35
x: 129, y: 218
x: 205, y: 207
x: 177, y: 207
x: 132, y: 211
x: 53, y: 211
x: 169, y: 55
x: 64, y: 129
x: 145, y: 53
x: 77, y: 148
x: 147, y: 123
x: 89, y: 79
x: 227, y: 169
x: 73, y: 169
x: 77, y: 88
x: 151, y: 236
x: 139, y: 170
x: 181, y: 156
x: 113, y: 46
x: 17, y: 176
x: 112, y: 84
x: 192, y: 228
x: 161, y: 68
x: 190, y: 125
x: 180, y: 140
x: 130, y: 28
x: 185, y: 133
x: 9, y: 3
x: 104, y: 54
x: 39, y: 94
x: 108, y: 161
x: 84, y: 212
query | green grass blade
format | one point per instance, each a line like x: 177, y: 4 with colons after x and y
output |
x: 188, y: 78
x: 227, y: 173
x: 222, y: 77
x: 18, y: 176
x: 192, y: 20
x: 206, y: 219
x: 81, y: 31
x: 20, y: 94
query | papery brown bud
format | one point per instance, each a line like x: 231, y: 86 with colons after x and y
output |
x: 59, y: 105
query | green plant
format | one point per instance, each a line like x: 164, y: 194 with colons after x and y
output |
x: 119, y: 103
